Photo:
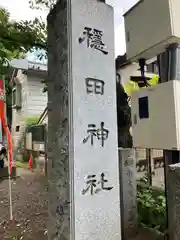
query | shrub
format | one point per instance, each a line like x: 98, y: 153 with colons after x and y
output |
x: 31, y: 121
x: 151, y: 205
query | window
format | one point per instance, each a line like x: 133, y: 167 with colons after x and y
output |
x: 152, y: 67
x: 143, y: 108
x: 14, y: 97
x: 149, y: 68
x: 17, y: 128
x: 128, y: 37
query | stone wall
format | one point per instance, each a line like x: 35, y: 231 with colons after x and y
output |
x: 127, y: 172
x: 173, y: 193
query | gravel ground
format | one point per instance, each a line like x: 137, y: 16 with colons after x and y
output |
x: 29, y: 193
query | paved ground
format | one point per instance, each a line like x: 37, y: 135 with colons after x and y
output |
x: 29, y: 194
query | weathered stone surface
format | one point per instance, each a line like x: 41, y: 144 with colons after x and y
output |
x: 82, y: 141
x: 127, y: 163
x: 58, y: 130
x: 173, y: 194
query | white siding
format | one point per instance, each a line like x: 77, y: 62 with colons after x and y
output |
x: 18, y: 115
x: 36, y: 99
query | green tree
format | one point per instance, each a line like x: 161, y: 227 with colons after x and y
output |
x: 42, y: 4
x: 123, y: 115
x: 16, y: 39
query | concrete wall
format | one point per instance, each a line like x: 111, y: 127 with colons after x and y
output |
x: 173, y: 197
x: 127, y: 173
x: 125, y: 72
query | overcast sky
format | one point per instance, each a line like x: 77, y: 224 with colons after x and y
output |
x: 20, y: 10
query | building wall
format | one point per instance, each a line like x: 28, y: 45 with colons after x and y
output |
x: 18, y: 115
x: 33, y: 104
x: 37, y: 100
x: 126, y: 71
x: 150, y: 30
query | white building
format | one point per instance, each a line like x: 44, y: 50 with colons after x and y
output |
x: 127, y: 69
x: 28, y: 99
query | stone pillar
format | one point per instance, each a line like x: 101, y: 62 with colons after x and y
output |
x: 127, y: 162
x: 173, y: 200
x: 84, y: 198
x: 58, y: 124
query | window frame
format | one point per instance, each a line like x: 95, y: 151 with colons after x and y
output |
x: 14, y: 93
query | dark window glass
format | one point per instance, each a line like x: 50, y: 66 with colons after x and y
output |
x: 14, y: 97
x: 143, y: 108
x: 17, y: 128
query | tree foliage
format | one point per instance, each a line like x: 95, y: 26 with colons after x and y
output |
x: 17, y: 38
x: 41, y: 4
x: 151, y: 205
x: 123, y: 115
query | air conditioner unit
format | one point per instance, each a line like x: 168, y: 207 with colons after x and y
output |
x: 155, y: 113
